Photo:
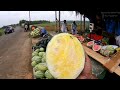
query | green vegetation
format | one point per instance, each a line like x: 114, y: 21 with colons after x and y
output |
x: 33, y: 22
x: 51, y: 26
x: 1, y: 31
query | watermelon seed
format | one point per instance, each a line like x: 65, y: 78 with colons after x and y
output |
x: 71, y: 37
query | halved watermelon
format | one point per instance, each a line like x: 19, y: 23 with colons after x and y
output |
x: 65, y: 56
x: 96, y: 47
x: 90, y: 44
x: 81, y: 38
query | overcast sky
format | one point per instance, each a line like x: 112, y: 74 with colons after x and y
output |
x: 13, y: 17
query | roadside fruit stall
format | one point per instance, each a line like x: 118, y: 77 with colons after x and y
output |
x: 107, y: 55
x: 62, y: 56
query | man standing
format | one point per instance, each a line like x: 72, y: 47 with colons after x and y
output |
x: 74, y: 28
x: 64, y: 27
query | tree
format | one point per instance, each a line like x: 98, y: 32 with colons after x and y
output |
x: 22, y: 21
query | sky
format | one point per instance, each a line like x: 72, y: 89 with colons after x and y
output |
x: 13, y: 17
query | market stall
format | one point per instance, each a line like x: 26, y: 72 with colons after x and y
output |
x: 105, y: 56
x: 110, y: 63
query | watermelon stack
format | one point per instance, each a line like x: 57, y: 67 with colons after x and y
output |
x: 35, y: 32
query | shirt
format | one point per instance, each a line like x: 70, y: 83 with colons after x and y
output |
x: 64, y: 27
x: 73, y: 26
x: 43, y: 31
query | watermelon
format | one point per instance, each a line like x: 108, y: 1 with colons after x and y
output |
x: 37, y: 59
x: 96, y: 47
x: 65, y: 56
x: 37, y: 50
x: 90, y: 43
x: 48, y: 75
x: 41, y: 49
x: 35, y: 54
x: 42, y: 66
x: 39, y: 74
x: 81, y: 38
x: 33, y: 63
x: 41, y: 54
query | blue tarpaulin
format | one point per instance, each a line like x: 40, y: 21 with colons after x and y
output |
x: 112, y: 26
x: 117, y: 32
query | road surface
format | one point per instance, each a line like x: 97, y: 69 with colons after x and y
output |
x: 15, y: 55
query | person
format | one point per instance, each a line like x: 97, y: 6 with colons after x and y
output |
x: 87, y: 71
x: 26, y: 27
x: 33, y: 27
x: 74, y: 28
x: 43, y: 32
x: 64, y: 27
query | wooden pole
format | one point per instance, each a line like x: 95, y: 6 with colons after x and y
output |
x: 56, y: 19
x: 59, y: 21
x: 81, y: 22
x: 84, y: 22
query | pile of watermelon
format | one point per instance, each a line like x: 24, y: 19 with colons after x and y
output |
x: 35, y: 32
x: 40, y: 69
x: 42, y: 43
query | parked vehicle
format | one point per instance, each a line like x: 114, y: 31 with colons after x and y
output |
x: 9, y: 29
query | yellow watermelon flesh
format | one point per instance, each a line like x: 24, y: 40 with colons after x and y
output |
x: 65, y: 56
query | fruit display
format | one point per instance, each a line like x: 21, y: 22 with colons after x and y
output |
x: 65, y: 56
x: 96, y: 47
x: 42, y: 43
x: 95, y: 37
x: 35, y: 33
x: 109, y: 50
x: 39, y: 65
x: 80, y: 38
x: 105, y: 41
x: 90, y: 43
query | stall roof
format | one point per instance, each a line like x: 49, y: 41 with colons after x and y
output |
x: 91, y: 13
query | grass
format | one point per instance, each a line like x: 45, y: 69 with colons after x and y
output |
x: 1, y: 31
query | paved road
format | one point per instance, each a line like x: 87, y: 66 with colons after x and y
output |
x: 15, y: 55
